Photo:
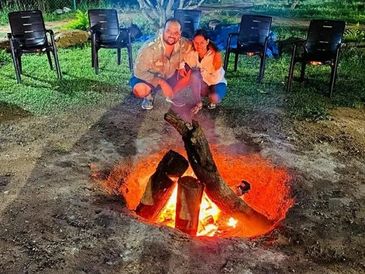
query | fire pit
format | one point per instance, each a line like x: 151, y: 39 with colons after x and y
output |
x: 176, y: 195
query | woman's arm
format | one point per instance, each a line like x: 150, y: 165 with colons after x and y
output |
x: 217, y: 60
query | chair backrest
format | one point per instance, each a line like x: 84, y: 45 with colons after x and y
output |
x: 28, y: 28
x: 189, y: 20
x: 105, y: 23
x: 324, y: 36
x: 254, y: 29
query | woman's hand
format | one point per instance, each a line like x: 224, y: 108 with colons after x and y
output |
x: 217, y: 60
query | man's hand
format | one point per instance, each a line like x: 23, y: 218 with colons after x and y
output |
x: 166, y: 88
x: 182, y: 72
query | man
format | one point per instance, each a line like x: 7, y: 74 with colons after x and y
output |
x: 158, y: 64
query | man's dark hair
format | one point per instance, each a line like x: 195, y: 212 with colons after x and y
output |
x: 172, y: 20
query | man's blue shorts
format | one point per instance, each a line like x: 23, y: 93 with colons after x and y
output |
x: 171, y: 81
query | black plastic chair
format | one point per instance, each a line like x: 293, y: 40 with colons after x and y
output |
x: 321, y: 47
x: 29, y: 35
x: 189, y: 20
x: 252, y: 39
x: 106, y: 33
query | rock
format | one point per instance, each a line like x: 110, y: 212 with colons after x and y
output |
x: 4, y: 44
x: 58, y: 11
x: 71, y: 38
x: 66, y: 10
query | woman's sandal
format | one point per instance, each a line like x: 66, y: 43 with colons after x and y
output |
x: 197, y: 108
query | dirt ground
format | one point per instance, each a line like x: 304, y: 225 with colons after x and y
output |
x: 56, y: 219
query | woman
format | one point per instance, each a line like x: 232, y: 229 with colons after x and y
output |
x: 207, y: 77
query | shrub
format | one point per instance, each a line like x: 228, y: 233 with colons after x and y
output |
x: 80, y: 22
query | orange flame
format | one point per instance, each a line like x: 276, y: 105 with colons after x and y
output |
x: 269, y: 193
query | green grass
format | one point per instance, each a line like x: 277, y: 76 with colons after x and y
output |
x: 41, y: 93
x: 308, y: 101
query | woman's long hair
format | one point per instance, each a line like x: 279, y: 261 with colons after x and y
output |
x: 203, y: 33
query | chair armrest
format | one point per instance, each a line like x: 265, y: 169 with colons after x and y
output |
x: 50, y: 32
x: 230, y: 35
x: 126, y: 29
x: 128, y: 33
x: 9, y: 35
x: 92, y: 29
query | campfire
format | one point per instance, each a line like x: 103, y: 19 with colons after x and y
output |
x: 198, y: 194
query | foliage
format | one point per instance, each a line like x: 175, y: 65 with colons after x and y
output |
x: 81, y: 21
x: 354, y: 34
x: 350, y: 11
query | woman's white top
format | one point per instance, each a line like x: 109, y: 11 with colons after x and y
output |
x: 210, y: 75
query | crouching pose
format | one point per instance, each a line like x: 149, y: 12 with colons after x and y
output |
x: 207, y: 77
x: 158, y: 63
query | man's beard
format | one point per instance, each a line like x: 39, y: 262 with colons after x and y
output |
x: 169, y: 43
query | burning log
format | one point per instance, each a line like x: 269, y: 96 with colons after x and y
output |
x: 160, y: 186
x: 204, y: 167
x: 189, y: 196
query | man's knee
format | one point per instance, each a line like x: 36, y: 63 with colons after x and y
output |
x: 141, y: 90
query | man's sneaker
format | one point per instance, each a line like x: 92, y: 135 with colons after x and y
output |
x: 176, y: 104
x: 147, y: 104
x: 212, y: 106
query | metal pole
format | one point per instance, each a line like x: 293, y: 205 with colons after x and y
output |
x: 74, y: 4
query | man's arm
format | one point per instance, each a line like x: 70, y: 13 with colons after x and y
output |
x: 143, y: 67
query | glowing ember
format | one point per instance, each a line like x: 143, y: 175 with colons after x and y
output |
x: 315, y: 63
x: 232, y: 222
x: 269, y: 193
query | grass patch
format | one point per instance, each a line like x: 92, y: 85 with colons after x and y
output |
x: 309, y: 101
x: 41, y: 93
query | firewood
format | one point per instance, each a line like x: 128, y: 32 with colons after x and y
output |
x: 160, y: 186
x: 204, y: 167
x: 189, y: 196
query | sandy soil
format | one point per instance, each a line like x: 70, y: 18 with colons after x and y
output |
x: 56, y: 219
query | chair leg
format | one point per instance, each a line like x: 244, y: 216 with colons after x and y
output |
x: 96, y: 61
x: 15, y: 62
x: 235, y: 61
x: 119, y: 54
x: 333, y: 77
x: 302, y: 71
x: 130, y: 60
x: 57, y: 63
x: 291, y: 69
x: 92, y: 56
x: 19, y: 57
x: 262, y: 67
x: 226, y: 60
x: 49, y: 59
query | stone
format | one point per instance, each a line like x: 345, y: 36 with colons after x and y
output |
x: 58, y: 11
x: 4, y: 44
x: 66, y: 10
x: 69, y: 38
